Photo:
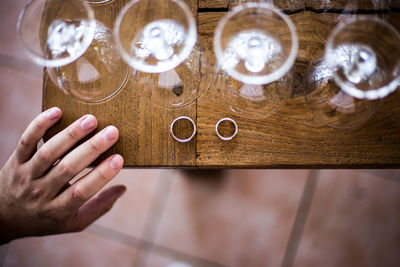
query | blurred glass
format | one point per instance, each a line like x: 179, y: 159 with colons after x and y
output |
x: 98, y: 2
x: 284, y: 5
x: 79, y: 52
x: 329, y: 13
x: 158, y: 39
x: 361, y: 65
x: 256, y: 46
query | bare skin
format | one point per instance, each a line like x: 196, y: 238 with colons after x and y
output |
x: 35, y: 195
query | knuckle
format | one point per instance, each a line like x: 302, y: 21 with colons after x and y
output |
x: 19, y: 185
x: 37, y: 193
x: 40, y: 123
x: 79, y: 193
x: 16, y: 194
x: 50, y: 215
x: 103, y: 175
x: 72, y: 133
x: 66, y: 169
x: 24, y: 141
x: 95, y: 145
x: 45, y: 154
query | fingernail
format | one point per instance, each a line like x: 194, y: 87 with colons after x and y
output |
x: 110, y: 133
x: 116, y: 162
x: 88, y: 122
x: 53, y: 113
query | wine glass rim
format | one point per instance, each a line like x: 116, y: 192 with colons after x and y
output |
x: 372, y: 94
x: 99, y: 2
x: 40, y: 60
x: 275, y: 75
x: 187, y: 49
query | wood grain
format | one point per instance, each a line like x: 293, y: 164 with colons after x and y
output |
x: 144, y: 128
x: 210, y: 4
x: 285, y: 5
x: 347, y: 5
x: 289, y: 138
x: 337, y: 6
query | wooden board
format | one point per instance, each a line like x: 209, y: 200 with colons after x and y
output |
x: 144, y: 128
x: 289, y: 138
x: 213, y: 4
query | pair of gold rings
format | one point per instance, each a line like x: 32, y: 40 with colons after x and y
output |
x: 217, y: 130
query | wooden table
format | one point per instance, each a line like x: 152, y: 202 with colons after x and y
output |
x: 289, y: 138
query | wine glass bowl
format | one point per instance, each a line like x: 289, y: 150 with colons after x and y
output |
x: 158, y: 39
x: 95, y: 76
x: 155, y: 35
x: 98, y: 2
x: 253, y: 100
x: 58, y: 36
x: 364, y: 54
x: 329, y: 104
x: 255, y: 43
x: 331, y: 13
x: 256, y: 46
x: 360, y: 66
x: 179, y: 86
x: 79, y: 53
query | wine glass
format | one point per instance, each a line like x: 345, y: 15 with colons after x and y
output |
x: 256, y: 46
x: 360, y: 66
x: 287, y: 5
x: 78, y: 51
x: 329, y: 13
x: 158, y: 39
x: 98, y: 2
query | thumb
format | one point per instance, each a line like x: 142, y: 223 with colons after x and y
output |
x: 95, y: 208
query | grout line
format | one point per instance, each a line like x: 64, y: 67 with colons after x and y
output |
x: 114, y: 235
x: 300, y: 220
x: 21, y: 65
x: 132, y: 241
x: 154, y: 217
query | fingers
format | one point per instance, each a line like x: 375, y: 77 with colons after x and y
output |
x: 96, y: 208
x: 57, y: 146
x: 78, y: 159
x: 37, y: 128
x: 85, y: 188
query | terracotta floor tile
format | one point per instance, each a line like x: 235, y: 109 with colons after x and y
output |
x: 156, y: 255
x: 77, y: 250
x: 20, y: 102
x: 234, y: 218
x: 155, y: 260
x: 130, y: 213
x: 392, y: 174
x: 353, y: 221
x: 160, y: 260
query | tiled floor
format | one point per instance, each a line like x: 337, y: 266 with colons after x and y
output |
x: 252, y: 209
x: 357, y: 227
x: 208, y: 218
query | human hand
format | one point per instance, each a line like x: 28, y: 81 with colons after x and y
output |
x: 35, y: 195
